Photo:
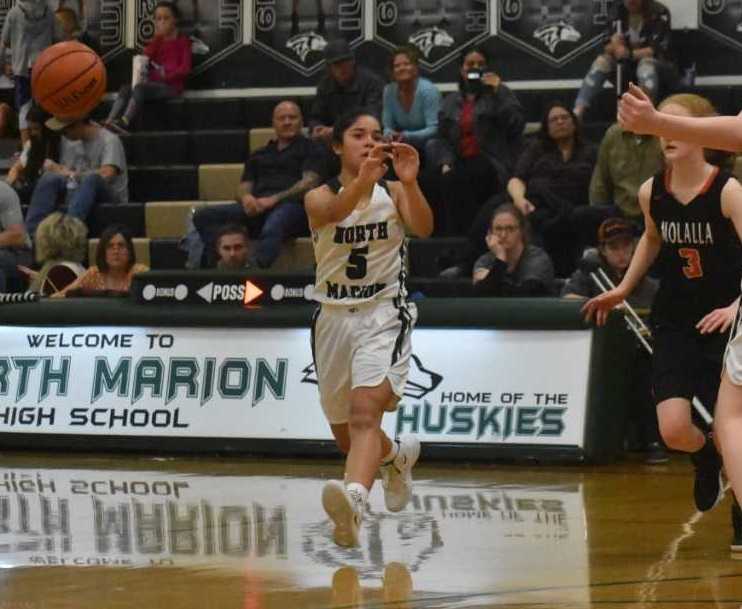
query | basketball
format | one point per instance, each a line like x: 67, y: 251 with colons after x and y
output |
x: 68, y: 80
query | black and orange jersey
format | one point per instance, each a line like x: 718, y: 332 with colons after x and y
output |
x: 699, y: 261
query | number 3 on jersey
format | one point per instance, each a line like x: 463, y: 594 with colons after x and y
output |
x: 692, y: 268
x: 357, y: 263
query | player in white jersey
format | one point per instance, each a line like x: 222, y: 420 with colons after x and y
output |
x: 361, y: 332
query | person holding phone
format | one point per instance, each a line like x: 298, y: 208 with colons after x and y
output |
x: 480, y: 133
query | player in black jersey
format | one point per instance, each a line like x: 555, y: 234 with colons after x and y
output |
x: 637, y: 113
x: 693, y: 219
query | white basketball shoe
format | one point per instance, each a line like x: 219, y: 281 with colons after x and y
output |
x: 346, y: 512
x: 396, y: 477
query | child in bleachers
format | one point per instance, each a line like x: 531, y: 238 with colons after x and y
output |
x: 28, y: 30
x: 72, y: 25
x: 169, y: 55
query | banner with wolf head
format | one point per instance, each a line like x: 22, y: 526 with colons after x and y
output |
x: 555, y: 31
x: 439, y: 29
x: 296, y: 32
x: 722, y: 19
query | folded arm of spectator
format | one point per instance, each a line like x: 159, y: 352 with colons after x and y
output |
x: 58, y: 168
x: 247, y: 200
x: 13, y: 236
x: 182, y: 68
x: 517, y: 192
x: 512, y: 119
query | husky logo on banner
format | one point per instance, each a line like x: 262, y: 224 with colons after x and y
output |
x: 303, y: 44
x: 296, y: 32
x: 440, y: 29
x: 426, y: 40
x: 555, y: 31
x: 723, y: 20
x: 420, y: 380
x: 552, y: 35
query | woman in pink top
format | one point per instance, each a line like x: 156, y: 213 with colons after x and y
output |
x: 169, y: 54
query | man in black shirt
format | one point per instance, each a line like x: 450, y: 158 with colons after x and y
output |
x: 269, y: 199
x: 345, y: 87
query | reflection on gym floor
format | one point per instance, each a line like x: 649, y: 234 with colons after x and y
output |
x: 122, y: 532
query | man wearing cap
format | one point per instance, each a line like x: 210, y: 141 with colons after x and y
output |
x: 92, y: 170
x: 345, y: 87
x: 616, y: 243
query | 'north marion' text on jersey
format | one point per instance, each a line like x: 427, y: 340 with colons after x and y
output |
x: 361, y: 232
x: 687, y: 233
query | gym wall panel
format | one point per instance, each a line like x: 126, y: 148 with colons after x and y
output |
x: 253, y: 47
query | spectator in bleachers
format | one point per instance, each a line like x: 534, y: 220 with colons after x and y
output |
x: 616, y: 245
x: 270, y: 196
x: 28, y: 30
x: 92, y: 170
x: 345, y: 87
x: 61, y: 247
x: 15, y: 245
x: 411, y: 102
x: 512, y: 266
x: 551, y: 179
x: 480, y: 135
x: 42, y: 144
x: 115, y: 266
x: 8, y: 116
x: 232, y: 248
x: 625, y: 162
x: 170, y: 60
x: 72, y: 24
x: 643, y: 48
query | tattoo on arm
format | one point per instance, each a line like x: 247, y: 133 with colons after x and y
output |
x: 309, y: 180
x: 245, y: 188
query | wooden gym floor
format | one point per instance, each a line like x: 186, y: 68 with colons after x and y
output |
x: 83, y: 532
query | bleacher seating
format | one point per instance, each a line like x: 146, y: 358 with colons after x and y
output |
x: 191, y: 151
x: 219, y: 181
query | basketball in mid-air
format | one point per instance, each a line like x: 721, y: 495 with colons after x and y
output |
x: 68, y: 80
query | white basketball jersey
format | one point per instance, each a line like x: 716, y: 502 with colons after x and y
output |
x: 361, y: 258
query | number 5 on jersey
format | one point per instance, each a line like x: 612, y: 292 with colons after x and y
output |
x: 357, y: 263
x: 692, y: 268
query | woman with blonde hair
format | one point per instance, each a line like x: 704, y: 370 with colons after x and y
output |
x: 61, y: 246
x: 693, y: 222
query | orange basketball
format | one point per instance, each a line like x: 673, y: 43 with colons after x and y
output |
x: 68, y: 80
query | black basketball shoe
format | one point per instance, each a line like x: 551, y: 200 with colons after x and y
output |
x: 708, y: 488
x: 736, y: 545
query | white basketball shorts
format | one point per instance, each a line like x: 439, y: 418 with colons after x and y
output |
x: 360, y: 346
x: 733, y: 355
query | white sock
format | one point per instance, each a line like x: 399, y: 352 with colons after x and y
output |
x: 392, y: 454
x: 358, y: 493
